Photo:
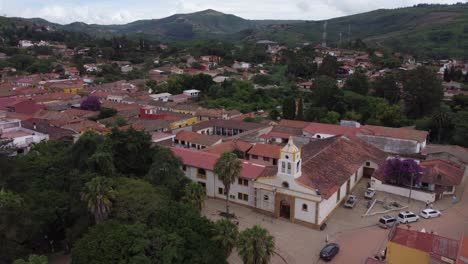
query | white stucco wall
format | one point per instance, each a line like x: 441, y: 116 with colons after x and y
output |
x: 306, y: 216
x: 266, y: 205
x: 325, y: 207
x: 415, y: 194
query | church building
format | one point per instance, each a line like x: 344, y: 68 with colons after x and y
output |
x: 305, y: 186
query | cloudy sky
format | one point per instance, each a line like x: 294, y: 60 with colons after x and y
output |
x: 124, y: 11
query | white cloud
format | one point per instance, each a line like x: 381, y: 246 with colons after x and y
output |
x: 124, y: 11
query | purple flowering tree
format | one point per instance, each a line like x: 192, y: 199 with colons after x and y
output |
x: 402, y: 172
x: 91, y: 103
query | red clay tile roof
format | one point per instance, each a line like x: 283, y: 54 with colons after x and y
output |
x: 27, y: 107
x: 229, y: 147
x: 441, y: 173
x: 433, y: 244
x: 274, y: 134
x: 328, y: 163
x: 457, y: 151
x: 462, y: 257
x: 266, y: 150
x: 293, y: 123
x: 207, y: 161
x: 186, y: 136
x: 330, y: 129
x: 400, y: 133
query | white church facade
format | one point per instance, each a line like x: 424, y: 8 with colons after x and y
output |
x: 305, y: 187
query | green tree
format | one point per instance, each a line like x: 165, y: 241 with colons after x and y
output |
x: 112, y: 242
x: 99, y: 194
x: 358, y: 83
x: 255, y: 245
x: 300, y: 110
x: 386, y: 87
x: 422, y: 92
x: 325, y: 92
x: 289, y: 108
x: 228, y: 168
x: 441, y: 121
x: 390, y: 115
x: 132, y: 151
x: 165, y: 172
x: 195, y: 195
x: 136, y: 200
x: 33, y: 259
x: 226, y: 233
x: 331, y: 118
x: 329, y: 66
x: 460, y: 133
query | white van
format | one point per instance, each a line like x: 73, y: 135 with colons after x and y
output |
x: 387, y: 221
x: 407, y: 217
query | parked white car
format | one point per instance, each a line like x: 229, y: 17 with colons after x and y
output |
x: 430, y: 213
x: 407, y: 217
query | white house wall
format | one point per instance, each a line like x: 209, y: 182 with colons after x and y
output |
x: 300, y: 214
x: 415, y: 194
x: 266, y: 205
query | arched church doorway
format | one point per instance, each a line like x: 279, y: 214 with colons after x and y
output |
x: 285, y: 209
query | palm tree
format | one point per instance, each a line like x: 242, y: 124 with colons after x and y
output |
x: 255, y: 245
x: 98, y: 193
x: 441, y: 120
x: 195, y: 195
x: 226, y: 235
x: 228, y: 168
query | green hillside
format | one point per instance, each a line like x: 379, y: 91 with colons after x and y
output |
x: 425, y: 30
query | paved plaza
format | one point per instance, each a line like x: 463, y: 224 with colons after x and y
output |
x: 358, y: 236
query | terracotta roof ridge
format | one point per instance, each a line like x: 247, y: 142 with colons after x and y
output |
x: 333, y: 140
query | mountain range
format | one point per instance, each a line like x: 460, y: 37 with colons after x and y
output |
x: 433, y: 30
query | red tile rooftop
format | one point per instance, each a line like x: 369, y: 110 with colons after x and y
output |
x: 462, y: 257
x: 433, y: 244
x: 207, y: 161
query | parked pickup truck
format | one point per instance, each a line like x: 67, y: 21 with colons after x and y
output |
x: 350, y: 201
x: 369, y: 194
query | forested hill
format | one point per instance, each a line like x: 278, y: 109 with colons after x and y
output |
x: 431, y: 30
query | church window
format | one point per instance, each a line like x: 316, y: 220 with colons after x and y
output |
x: 289, y: 167
x: 285, y: 184
x: 298, y: 166
x: 283, y: 165
x: 266, y: 197
x: 304, y: 207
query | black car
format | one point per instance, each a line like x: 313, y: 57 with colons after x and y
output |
x: 329, y: 251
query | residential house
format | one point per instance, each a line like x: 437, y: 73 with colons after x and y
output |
x: 25, y: 44
x: 225, y: 128
x: 238, y: 146
x: 415, y: 247
x: 45, y: 127
x: 179, y: 98
x: 164, y: 97
x: 199, y: 167
x: 439, y: 178
x: 28, y: 107
x: 192, y: 93
x: 264, y: 154
x: 188, y: 139
x: 67, y: 86
x: 20, y: 139
x: 306, y: 85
